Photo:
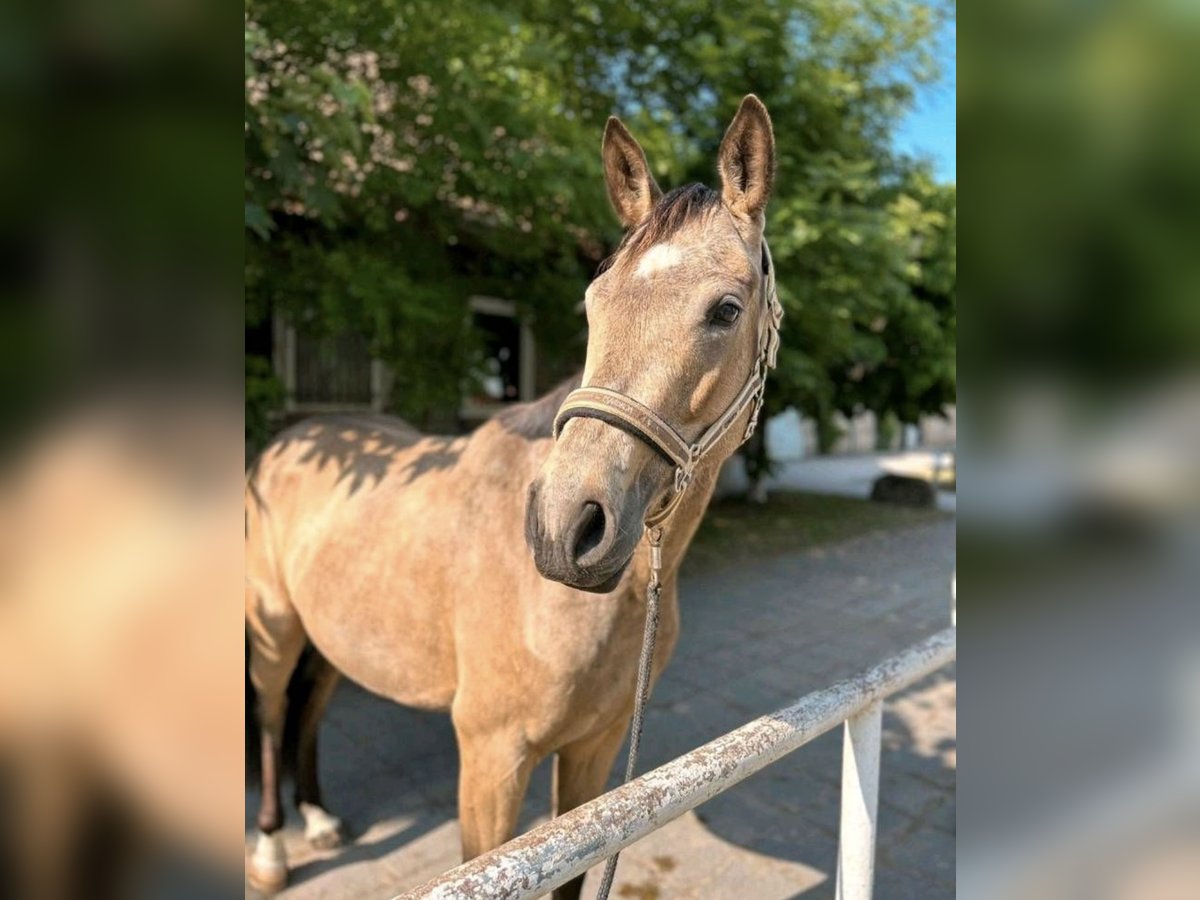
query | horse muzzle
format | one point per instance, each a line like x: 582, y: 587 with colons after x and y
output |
x: 579, y: 540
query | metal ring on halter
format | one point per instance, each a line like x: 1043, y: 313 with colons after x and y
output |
x: 684, y: 473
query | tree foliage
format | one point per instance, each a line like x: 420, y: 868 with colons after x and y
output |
x: 405, y: 154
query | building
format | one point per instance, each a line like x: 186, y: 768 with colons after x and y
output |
x: 338, y: 374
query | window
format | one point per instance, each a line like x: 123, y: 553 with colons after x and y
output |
x: 327, y: 374
x: 333, y: 374
x: 505, y: 370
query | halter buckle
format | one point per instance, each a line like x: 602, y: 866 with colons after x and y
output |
x: 772, y: 348
x: 683, y: 474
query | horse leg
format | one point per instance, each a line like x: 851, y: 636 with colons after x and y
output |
x: 581, y: 770
x: 494, y: 772
x: 276, y: 642
x: 321, y: 830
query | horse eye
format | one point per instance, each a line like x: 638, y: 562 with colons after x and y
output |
x: 727, y: 313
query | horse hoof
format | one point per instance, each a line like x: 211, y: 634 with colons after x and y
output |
x: 322, y: 830
x: 268, y: 883
x: 325, y: 840
x: 266, y: 871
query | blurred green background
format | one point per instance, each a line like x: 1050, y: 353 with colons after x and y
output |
x: 404, y: 157
x: 1081, y: 136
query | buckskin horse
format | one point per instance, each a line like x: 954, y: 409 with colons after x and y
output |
x: 500, y: 575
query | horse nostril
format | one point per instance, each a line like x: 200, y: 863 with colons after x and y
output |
x: 589, y: 533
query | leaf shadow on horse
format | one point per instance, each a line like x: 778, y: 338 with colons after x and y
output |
x: 362, y: 448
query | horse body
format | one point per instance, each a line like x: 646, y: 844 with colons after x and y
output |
x: 337, y: 539
x: 413, y: 580
x: 501, y: 576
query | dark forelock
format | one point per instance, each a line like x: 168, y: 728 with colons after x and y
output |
x: 677, y: 208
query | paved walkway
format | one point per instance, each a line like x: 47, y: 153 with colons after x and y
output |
x: 751, y: 643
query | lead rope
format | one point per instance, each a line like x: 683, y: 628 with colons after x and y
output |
x: 654, y: 536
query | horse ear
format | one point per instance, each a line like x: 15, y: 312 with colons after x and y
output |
x: 746, y: 161
x: 631, y: 187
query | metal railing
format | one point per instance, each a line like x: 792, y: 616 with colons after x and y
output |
x: 552, y: 854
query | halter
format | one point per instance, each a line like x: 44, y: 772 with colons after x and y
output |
x: 633, y: 416
x: 624, y: 412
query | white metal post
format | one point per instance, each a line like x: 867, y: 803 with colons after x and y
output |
x: 860, y: 801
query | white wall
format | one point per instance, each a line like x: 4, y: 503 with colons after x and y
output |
x: 791, y: 437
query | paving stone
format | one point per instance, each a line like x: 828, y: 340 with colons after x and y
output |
x: 925, y: 851
x: 909, y: 795
x: 897, y: 884
x: 893, y: 826
x: 752, y: 696
x: 943, y: 815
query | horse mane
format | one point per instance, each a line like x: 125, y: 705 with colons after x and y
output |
x: 535, y: 420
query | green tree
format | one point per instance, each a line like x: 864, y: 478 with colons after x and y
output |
x: 401, y: 156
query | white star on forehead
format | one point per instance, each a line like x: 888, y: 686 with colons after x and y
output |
x: 658, y: 258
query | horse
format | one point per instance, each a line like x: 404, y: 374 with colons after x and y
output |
x: 499, y: 576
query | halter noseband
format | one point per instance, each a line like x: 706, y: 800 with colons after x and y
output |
x: 628, y: 414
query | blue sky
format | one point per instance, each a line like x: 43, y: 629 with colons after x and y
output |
x: 929, y: 130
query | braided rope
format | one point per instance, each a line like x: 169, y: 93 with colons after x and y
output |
x: 654, y: 536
